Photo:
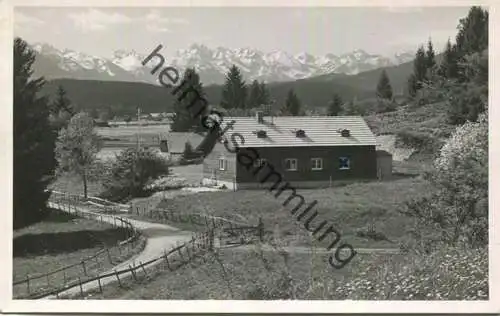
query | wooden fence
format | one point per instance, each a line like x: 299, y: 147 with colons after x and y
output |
x: 227, y: 231
x: 40, y: 284
x: 173, y: 259
x: 177, y: 256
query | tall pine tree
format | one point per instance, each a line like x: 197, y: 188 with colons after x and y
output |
x: 472, y: 34
x: 412, y: 86
x: 61, y: 109
x: 234, y: 94
x: 430, y: 56
x: 292, y: 104
x: 34, y: 140
x: 335, y: 105
x: 254, y: 95
x: 472, y: 38
x: 185, y: 118
x: 350, y: 108
x: 420, y: 67
x: 384, y: 89
x: 449, y: 64
x: 264, y: 97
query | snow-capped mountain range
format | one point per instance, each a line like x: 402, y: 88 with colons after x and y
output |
x: 211, y: 63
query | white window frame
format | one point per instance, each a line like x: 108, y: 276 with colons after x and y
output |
x: 295, y: 161
x: 314, y: 163
x: 348, y: 163
x: 260, y: 162
x: 222, y: 167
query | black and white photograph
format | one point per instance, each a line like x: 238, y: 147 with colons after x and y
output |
x: 245, y: 153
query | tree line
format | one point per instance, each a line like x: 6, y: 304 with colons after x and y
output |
x: 460, y: 79
x: 239, y: 99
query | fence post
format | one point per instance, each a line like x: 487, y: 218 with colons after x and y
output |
x: 28, y: 283
x: 83, y: 266
x: 118, y: 278
x: 109, y: 256
x: 166, y: 258
x: 143, y: 269
x: 187, y: 251
x: 80, y: 283
x: 180, y: 254
x: 132, y: 270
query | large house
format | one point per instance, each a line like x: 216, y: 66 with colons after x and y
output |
x: 306, y: 151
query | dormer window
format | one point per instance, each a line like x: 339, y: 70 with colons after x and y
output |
x: 300, y: 133
x: 261, y: 134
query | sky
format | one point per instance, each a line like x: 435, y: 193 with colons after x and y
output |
x: 318, y: 31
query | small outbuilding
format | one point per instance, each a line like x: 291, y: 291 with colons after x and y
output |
x: 175, y: 142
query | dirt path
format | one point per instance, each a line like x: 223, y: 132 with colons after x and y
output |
x: 159, y: 237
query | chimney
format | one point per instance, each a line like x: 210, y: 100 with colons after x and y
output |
x: 345, y: 133
x: 260, y: 117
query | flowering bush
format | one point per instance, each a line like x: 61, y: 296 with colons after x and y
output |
x: 462, y: 182
x: 166, y: 183
x: 458, y: 208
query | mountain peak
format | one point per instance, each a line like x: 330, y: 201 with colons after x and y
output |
x: 213, y: 63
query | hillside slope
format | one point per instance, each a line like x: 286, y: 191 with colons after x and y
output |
x: 124, y: 97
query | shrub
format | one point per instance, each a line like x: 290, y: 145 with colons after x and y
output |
x: 466, y: 101
x: 428, y: 95
x: 458, y: 209
x: 462, y: 181
x: 131, y: 171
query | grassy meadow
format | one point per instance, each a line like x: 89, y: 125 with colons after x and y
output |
x: 353, y: 209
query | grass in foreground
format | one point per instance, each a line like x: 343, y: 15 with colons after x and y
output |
x: 352, y: 209
x: 61, y: 240
x: 450, y: 274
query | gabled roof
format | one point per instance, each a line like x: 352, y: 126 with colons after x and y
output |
x: 319, y: 131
